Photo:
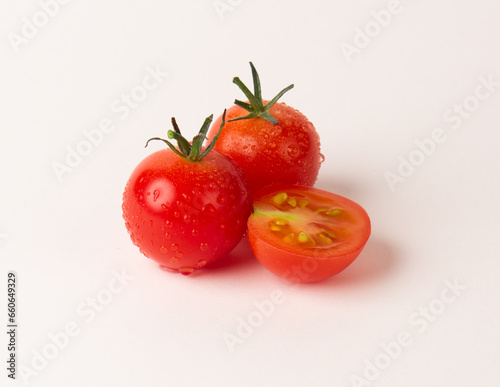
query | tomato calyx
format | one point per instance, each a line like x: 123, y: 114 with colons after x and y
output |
x: 191, y: 151
x: 256, y: 107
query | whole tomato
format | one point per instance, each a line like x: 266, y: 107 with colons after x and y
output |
x: 186, y: 207
x: 272, y: 142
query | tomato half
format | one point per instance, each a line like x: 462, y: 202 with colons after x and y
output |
x: 306, y: 234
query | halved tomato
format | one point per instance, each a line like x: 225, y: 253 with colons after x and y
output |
x: 306, y: 234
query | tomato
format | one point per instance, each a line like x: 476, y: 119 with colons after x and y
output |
x: 306, y: 234
x: 185, y: 208
x: 272, y: 142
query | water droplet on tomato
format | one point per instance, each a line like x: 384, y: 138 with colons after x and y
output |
x: 293, y: 151
x: 210, y: 209
x: 195, y: 232
x: 168, y: 235
x: 169, y: 269
x: 164, y: 249
x: 156, y: 195
x: 221, y: 199
x: 200, y: 264
x: 321, y: 158
x: 203, y: 246
x: 174, y: 260
x: 186, y: 270
x: 169, y: 224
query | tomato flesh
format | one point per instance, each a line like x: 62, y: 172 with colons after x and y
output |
x: 305, y: 234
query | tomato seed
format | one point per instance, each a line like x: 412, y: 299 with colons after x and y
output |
x: 280, y: 222
x: 303, y: 237
x: 303, y: 203
x: 280, y: 198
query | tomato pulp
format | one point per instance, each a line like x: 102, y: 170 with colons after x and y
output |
x: 305, y: 234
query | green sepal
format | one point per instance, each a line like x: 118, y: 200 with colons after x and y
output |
x: 191, y: 152
x: 255, y: 105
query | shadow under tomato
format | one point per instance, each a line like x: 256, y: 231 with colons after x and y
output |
x: 240, y: 260
x: 375, y: 262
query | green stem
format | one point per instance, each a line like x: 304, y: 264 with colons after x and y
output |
x: 191, y: 152
x: 256, y: 107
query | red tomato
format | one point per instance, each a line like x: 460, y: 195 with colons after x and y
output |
x: 274, y: 143
x: 186, y: 212
x: 305, y: 234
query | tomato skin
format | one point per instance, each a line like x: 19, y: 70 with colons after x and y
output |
x: 294, y: 262
x: 184, y: 214
x: 298, y: 267
x: 288, y: 152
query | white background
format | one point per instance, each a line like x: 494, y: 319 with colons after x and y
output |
x: 66, y: 239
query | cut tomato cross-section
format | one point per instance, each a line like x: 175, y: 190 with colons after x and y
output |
x: 305, y: 234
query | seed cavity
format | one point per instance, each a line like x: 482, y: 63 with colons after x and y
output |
x: 324, y: 239
x: 335, y: 212
x: 304, y: 237
x: 303, y: 203
x: 280, y: 222
x: 280, y: 198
